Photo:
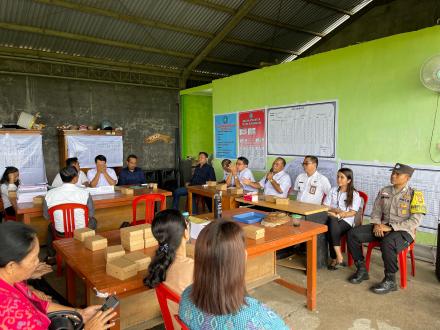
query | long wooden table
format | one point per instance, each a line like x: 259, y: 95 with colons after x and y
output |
x: 228, y: 199
x: 138, y: 303
x: 110, y: 210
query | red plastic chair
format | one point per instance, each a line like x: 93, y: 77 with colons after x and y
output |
x: 68, y: 223
x: 163, y: 294
x: 150, y: 200
x: 402, y: 261
x: 364, y: 196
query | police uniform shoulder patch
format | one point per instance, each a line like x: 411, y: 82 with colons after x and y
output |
x: 418, y: 203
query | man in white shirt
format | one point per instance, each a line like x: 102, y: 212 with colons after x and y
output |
x: 311, y: 186
x: 82, y: 180
x: 101, y: 175
x: 276, y: 182
x: 240, y: 172
x: 68, y: 192
x: 226, y: 166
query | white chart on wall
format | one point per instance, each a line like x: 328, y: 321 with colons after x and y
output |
x: 370, y: 178
x: 86, y: 148
x: 303, y: 129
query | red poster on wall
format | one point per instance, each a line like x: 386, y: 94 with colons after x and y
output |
x: 252, y: 137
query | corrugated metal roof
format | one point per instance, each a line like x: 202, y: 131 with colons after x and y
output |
x: 180, y: 13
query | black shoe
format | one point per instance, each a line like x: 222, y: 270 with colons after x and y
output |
x: 387, y: 285
x: 337, y: 266
x: 50, y: 260
x: 360, y: 275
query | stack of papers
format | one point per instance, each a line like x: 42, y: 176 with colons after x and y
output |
x: 26, y: 193
x: 101, y: 190
x: 196, y: 225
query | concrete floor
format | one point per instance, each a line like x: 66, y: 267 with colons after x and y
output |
x: 341, y: 305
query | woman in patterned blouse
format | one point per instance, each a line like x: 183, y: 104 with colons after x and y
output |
x: 218, y: 299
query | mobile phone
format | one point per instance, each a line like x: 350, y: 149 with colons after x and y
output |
x: 110, y: 302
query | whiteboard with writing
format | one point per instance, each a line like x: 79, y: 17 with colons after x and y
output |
x: 370, y: 178
x: 302, y: 129
x: 86, y: 148
x: 24, y: 152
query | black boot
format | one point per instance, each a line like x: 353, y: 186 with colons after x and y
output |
x: 388, y: 284
x: 361, y: 273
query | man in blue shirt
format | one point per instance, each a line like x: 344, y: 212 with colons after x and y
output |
x: 131, y: 175
x: 202, y: 173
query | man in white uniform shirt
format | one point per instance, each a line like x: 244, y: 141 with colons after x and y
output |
x: 311, y: 186
x: 67, y: 193
x: 101, y: 175
x: 276, y: 182
x: 82, y: 178
x: 240, y: 172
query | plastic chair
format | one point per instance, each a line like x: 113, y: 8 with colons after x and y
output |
x: 150, y: 200
x: 68, y: 223
x: 402, y: 261
x: 163, y: 294
x: 364, y: 197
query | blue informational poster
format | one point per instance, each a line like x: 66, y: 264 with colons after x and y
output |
x: 225, y: 126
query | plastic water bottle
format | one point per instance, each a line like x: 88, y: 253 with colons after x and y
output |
x: 218, y: 205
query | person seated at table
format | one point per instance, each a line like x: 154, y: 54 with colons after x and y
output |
x: 101, y: 175
x: 218, y: 294
x: 20, y: 307
x: 67, y: 193
x: 276, y: 182
x: 343, y: 202
x: 82, y: 180
x: 202, y: 173
x: 311, y: 186
x: 9, y: 182
x: 131, y: 175
x: 240, y: 172
x: 170, y: 264
x: 226, y: 166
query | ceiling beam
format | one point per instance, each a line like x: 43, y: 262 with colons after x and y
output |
x: 154, y: 24
x: 255, y: 18
x: 111, y: 43
x: 235, y: 19
x: 330, y: 6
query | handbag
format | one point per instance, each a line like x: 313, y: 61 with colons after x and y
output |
x: 65, y: 320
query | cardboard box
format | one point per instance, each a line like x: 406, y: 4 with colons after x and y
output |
x: 254, y: 232
x: 121, y: 268
x: 12, y: 194
x: 236, y: 191
x: 81, y: 234
x: 150, y: 242
x: 251, y: 197
x: 132, y: 233
x: 282, y: 201
x: 95, y: 243
x: 114, y: 252
x: 222, y: 186
x: 127, y: 191
x: 37, y: 200
x: 269, y: 198
x: 133, y: 245
x: 140, y: 259
x: 211, y: 183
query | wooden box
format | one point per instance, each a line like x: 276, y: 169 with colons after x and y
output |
x: 150, y: 242
x: 269, y: 198
x: 133, y: 232
x: 114, y: 252
x: 140, y: 259
x: 127, y: 191
x: 38, y: 200
x: 133, y: 245
x: 222, y: 186
x: 121, y: 268
x: 147, y: 232
x: 254, y: 232
x: 282, y: 201
x: 211, y: 183
x: 236, y: 191
x: 95, y: 243
x: 81, y: 234
x: 12, y: 194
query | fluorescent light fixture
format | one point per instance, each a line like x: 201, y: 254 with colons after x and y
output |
x: 309, y: 44
x: 360, y: 6
x: 290, y: 58
x: 334, y: 25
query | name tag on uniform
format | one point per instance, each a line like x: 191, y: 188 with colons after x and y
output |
x: 312, y: 190
x: 404, y: 212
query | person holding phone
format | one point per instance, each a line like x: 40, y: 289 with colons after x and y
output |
x: 239, y: 172
x: 276, y: 182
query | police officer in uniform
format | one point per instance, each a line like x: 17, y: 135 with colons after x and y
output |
x: 397, y: 212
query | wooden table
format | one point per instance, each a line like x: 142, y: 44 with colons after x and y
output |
x: 228, y: 199
x: 110, y: 210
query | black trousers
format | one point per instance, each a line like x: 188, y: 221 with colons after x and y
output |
x: 336, y: 229
x: 390, y: 245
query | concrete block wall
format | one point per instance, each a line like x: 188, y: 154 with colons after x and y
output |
x: 141, y: 111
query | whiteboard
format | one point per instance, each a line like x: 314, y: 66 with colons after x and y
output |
x: 370, y: 178
x: 303, y: 129
x: 86, y: 148
x: 24, y: 152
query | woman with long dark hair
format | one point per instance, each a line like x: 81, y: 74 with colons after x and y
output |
x: 9, y: 182
x: 218, y: 295
x: 343, y: 202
